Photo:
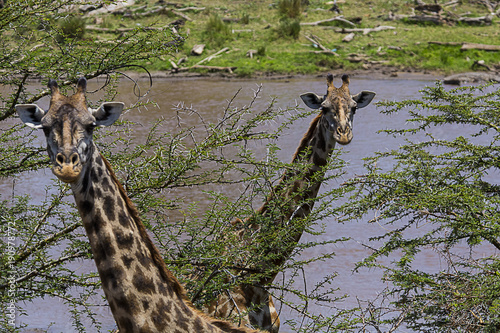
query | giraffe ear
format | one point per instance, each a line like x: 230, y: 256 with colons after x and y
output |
x: 30, y: 114
x: 108, y: 113
x: 363, y: 98
x: 312, y: 100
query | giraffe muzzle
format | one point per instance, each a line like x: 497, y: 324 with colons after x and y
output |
x: 343, y: 135
x: 67, y: 167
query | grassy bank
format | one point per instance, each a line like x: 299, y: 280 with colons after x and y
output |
x: 272, y: 37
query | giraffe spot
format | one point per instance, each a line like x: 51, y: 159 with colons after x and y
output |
x: 126, y: 304
x: 111, y: 276
x: 162, y: 289
x: 180, y: 314
x: 143, y: 260
x: 98, y: 223
x: 91, y: 192
x: 321, y: 141
x: 145, y: 305
x: 93, y: 175
x: 86, y: 206
x: 124, y: 219
x: 198, y: 325
x: 318, y: 160
x: 106, y: 185
x: 125, y: 324
x: 85, y: 182
x: 124, y: 241
x: 144, y: 284
x: 109, y: 207
x: 161, y: 316
x: 127, y: 261
x: 98, y: 192
x: 112, y: 305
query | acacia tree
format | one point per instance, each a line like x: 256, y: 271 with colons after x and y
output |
x: 42, y: 237
x: 440, y: 196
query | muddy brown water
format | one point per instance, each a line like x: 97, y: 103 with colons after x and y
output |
x: 210, y: 97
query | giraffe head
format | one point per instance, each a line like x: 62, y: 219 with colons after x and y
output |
x: 68, y: 126
x: 338, y: 107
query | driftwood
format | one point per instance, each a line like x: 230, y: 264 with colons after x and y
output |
x: 348, y: 37
x: 207, y: 59
x: 475, y: 77
x: 484, y: 47
x: 446, y: 43
x: 316, y: 42
x: 210, y: 68
x: 480, y: 64
x: 198, y: 49
x: 338, y: 18
x: 154, y: 11
x: 121, y: 30
x: 365, y: 31
x: 469, y: 46
x: 487, y: 19
x: 441, y: 18
x: 185, y: 9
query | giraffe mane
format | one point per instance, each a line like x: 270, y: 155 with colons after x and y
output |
x: 160, y: 264
x: 158, y: 260
x: 307, y: 137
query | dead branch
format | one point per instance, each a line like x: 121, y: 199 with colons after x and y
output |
x: 315, y: 41
x: 210, y: 68
x: 154, y: 11
x: 207, y: 59
x: 446, y: 43
x: 338, y: 18
x: 365, y: 31
x: 484, y: 47
x: 185, y: 9
x: 120, y: 30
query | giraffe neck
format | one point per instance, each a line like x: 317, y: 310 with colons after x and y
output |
x: 142, y: 293
x: 298, y: 195
x: 314, y: 150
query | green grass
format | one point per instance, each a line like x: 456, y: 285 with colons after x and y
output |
x: 287, y: 51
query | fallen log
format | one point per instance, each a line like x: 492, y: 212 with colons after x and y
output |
x: 446, y: 43
x: 210, y: 68
x: 207, y: 59
x: 338, y: 18
x: 474, y: 77
x: 348, y: 37
x: 316, y: 42
x: 121, y: 30
x: 365, y: 31
x: 484, y: 47
x: 476, y: 20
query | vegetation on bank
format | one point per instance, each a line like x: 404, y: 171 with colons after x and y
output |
x: 276, y: 36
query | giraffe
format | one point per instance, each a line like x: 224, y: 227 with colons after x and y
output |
x: 142, y: 293
x: 252, y: 302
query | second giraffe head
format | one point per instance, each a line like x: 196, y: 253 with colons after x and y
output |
x: 338, y: 107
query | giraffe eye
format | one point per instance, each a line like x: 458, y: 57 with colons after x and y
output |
x: 91, y: 126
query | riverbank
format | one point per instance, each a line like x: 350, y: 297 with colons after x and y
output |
x: 286, y: 37
x: 379, y: 74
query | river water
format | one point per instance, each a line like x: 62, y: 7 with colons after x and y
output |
x: 209, y: 97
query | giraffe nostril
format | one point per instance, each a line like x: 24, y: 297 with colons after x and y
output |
x: 75, y: 158
x: 60, y: 158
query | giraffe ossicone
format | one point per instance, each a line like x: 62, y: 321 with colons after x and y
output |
x: 142, y: 293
